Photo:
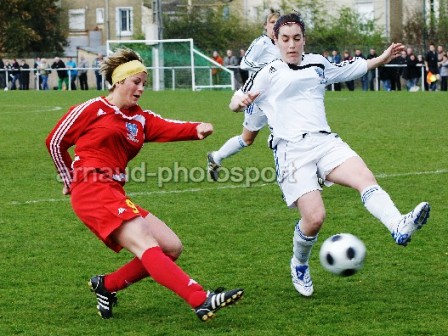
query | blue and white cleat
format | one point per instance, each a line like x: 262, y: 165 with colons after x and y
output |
x: 301, y: 278
x: 410, y: 223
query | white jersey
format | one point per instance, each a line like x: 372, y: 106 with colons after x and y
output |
x: 292, y: 97
x: 261, y: 51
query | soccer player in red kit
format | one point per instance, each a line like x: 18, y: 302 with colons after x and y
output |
x: 107, y: 133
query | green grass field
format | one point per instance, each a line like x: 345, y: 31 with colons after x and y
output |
x: 235, y: 233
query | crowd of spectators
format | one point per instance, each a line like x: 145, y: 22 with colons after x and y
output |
x: 16, y: 75
x: 409, y: 72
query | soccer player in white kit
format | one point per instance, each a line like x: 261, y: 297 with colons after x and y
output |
x: 261, y: 51
x: 291, y: 93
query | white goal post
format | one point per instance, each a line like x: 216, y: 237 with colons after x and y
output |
x: 177, y: 64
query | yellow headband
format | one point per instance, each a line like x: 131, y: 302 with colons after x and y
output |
x: 127, y: 69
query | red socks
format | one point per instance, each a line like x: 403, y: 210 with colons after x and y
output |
x: 168, y: 274
x: 128, y: 274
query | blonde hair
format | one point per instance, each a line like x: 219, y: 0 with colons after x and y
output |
x: 119, y: 57
x: 273, y: 14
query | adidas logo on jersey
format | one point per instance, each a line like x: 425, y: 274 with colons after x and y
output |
x: 100, y: 113
x: 272, y: 69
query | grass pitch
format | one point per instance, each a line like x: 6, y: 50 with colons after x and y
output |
x: 235, y: 233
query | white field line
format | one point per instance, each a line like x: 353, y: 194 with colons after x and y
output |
x: 31, y: 109
x: 160, y: 192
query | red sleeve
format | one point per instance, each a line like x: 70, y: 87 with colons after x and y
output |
x: 63, y: 136
x: 159, y: 129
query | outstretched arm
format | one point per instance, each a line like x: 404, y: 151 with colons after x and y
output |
x: 204, y: 130
x: 388, y: 55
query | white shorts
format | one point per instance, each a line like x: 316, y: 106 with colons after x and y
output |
x: 254, y: 118
x: 300, y: 164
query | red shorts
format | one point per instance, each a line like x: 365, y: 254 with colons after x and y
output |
x: 102, y: 205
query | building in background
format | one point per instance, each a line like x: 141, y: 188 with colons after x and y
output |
x: 92, y: 22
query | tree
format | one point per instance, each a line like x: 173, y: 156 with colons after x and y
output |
x: 211, y: 29
x: 31, y: 27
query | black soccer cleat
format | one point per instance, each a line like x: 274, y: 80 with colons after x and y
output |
x: 217, y: 300
x: 212, y: 166
x: 105, y: 299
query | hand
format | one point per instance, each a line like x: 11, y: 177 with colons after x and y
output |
x: 65, y: 191
x: 248, y: 98
x: 392, y: 52
x: 204, y: 130
x: 239, y: 103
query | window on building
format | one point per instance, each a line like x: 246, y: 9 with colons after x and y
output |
x: 100, y: 15
x: 124, y: 21
x: 77, y: 19
x: 365, y: 9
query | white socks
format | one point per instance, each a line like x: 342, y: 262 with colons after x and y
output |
x: 302, y: 245
x: 232, y: 146
x: 380, y: 205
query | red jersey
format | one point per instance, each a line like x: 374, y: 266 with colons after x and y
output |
x: 106, y: 138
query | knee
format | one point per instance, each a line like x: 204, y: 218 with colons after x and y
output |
x: 248, y: 139
x: 312, y: 223
x: 174, y: 250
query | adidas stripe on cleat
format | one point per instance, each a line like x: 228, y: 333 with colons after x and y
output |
x: 301, y: 278
x: 410, y: 223
x: 105, y: 299
x: 217, y: 300
x: 212, y: 167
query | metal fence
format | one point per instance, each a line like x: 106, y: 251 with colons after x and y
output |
x: 9, y: 81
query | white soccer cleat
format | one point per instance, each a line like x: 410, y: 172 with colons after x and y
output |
x: 410, y: 223
x: 301, y: 278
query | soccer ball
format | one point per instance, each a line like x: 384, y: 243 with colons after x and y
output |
x: 342, y: 254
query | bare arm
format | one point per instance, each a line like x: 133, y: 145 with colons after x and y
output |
x: 388, y: 55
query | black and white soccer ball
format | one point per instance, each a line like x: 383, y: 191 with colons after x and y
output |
x: 342, y: 254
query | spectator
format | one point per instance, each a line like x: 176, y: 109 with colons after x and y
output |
x: 96, y: 65
x: 2, y: 75
x: 44, y: 70
x: 336, y: 59
x: 431, y: 65
x: 412, y: 72
x: 397, y: 71
x: 73, y: 73
x: 385, y: 74
x: 347, y: 58
x: 24, y: 79
x: 215, y: 70
x: 244, y: 74
x: 8, y: 74
x: 82, y: 72
x: 231, y: 62
x: 372, y: 73
x: 37, y: 61
x: 61, y: 70
x: 364, y: 78
x: 15, y: 72
x: 444, y: 73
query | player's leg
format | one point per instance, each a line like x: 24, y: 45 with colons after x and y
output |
x: 134, y: 271
x: 298, y: 180
x: 355, y: 174
x: 312, y: 212
x: 137, y: 236
x: 254, y: 121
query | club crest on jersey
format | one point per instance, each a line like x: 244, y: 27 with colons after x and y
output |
x: 272, y: 69
x: 132, y: 131
x: 320, y: 73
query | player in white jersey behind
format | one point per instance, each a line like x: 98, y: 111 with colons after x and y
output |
x: 261, y: 52
x: 291, y: 93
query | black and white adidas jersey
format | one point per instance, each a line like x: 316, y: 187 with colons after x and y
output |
x: 292, y: 97
x: 261, y: 51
